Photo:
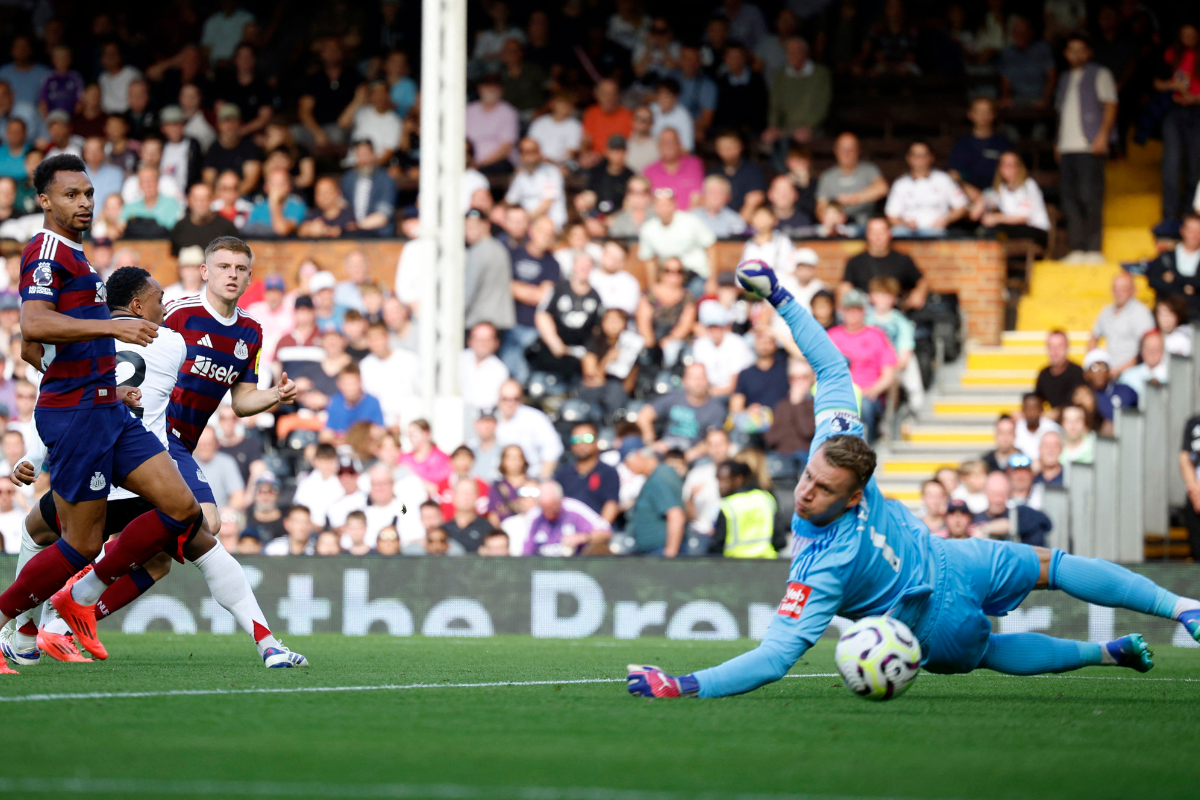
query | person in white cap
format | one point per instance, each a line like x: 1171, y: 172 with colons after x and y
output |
x: 189, y: 283
x: 722, y: 353
x: 804, y: 284
x: 1110, y: 395
x: 321, y: 287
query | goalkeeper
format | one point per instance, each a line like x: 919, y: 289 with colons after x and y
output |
x: 858, y: 555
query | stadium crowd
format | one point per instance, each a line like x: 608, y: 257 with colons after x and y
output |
x: 605, y: 416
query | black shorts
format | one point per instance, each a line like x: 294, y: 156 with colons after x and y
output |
x: 120, y: 513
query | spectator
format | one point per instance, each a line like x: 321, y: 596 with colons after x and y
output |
x: 12, y: 155
x: 667, y: 313
x: 90, y: 119
x: 487, y: 281
x: 881, y: 260
x: 201, y: 224
x: 1050, y: 471
x: 487, y: 451
x: 1153, y: 369
x: 142, y: 121
x: 656, y: 54
x: 462, y: 463
x: 481, y: 373
x: 883, y: 295
x: 973, y: 481
x: 792, y: 218
x: 10, y: 107
x: 611, y: 363
x: 872, y: 358
x: 635, y: 212
x: 1079, y: 441
x: 565, y: 321
x: 391, y: 375
x: 466, y: 527
x: 1031, y: 428
x: 746, y: 22
x: 1027, y: 70
x: 686, y: 414
x: 513, y: 492
x: 387, y: 500
x: 1189, y: 469
x: 747, y: 525
x: 114, y: 80
x: 771, y: 51
x: 764, y: 383
x: 495, y: 544
x: 996, y: 460
x: 657, y: 519
x: 524, y: 84
x: 322, y: 486
x: 62, y: 88
x: 1122, y: 324
x: 62, y: 140
x: 794, y: 426
x: 106, y: 178
x: 372, y: 193
x: 723, y: 354
x: 669, y: 114
x: 742, y: 98
x: 856, y: 186
x: 538, y: 186
x: 678, y: 234
x: 276, y: 316
x: 181, y: 154
x: 233, y: 152
x: 559, y: 134
x: 1058, y: 381
x: 924, y: 201
x: 564, y: 526
x: 891, y: 46
x: 701, y: 490
x: 641, y: 145
x: 1019, y: 523
x: 697, y: 91
x: 935, y: 502
x: 323, y: 96
x: 715, y: 212
x: 974, y: 158
x: 490, y: 41
x: 1171, y: 314
x: 436, y: 542
x: 608, y: 180
x: 351, y: 404
x: 1175, y: 271
x: 529, y: 428
x: 1110, y: 396
x: 280, y: 211
x: 535, y: 272
x: 959, y: 519
x: 589, y: 480
x: 1179, y: 74
x: 800, y: 96
x: 221, y: 471
x: 491, y: 126
x: 224, y: 29
x: 23, y: 73
x: 603, y: 120
x: 299, y: 526
x: 1087, y: 104
x: 163, y: 210
x: 1013, y: 207
x: 241, y: 86
x: 616, y: 286
x: 330, y: 216
x: 747, y: 183
x: 371, y: 117
x: 676, y: 170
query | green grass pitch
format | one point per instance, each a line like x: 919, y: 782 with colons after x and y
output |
x: 980, y: 736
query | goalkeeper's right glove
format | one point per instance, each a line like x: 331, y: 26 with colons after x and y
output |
x: 759, y: 279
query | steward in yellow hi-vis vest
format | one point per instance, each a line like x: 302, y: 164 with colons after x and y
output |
x: 746, y: 526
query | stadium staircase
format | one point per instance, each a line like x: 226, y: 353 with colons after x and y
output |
x: 960, y: 411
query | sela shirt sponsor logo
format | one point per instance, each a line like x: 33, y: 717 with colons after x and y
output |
x: 794, y: 599
x: 203, y: 365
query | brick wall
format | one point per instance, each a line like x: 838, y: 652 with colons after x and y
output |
x: 975, y: 270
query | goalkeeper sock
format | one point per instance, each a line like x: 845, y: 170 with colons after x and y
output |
x: 1104, y: 583
x: 227, y: 582
x: 1036, y: 653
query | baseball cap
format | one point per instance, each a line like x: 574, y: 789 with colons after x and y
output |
x: 630, y: 444
x: 171, y: 115
x: 58, y: 116
x: 488, y: 413
x: 958, y: 506
x: 322, y: 280
x: 663, y: 193
x: 475, y: 213
x: 303, y: 301
x: 9, y: 301
x: 229, y: 111
x: 192, y: 256
x: 346, y: 467
x: 274, y: 282
x: 269, y: 478
x: 1095, y: 356
x: 616, y: 142
x: 806, y: 255
x: 1020, y: 461
x: 854, y: 298
x: 713, y: 314
x: 491, y: 79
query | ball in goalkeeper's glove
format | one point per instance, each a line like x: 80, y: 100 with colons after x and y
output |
x: 759, y: 279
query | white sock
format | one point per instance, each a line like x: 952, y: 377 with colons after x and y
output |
x: 87, y: 590
x: 1185, y: 604
x: 53, y: 623
x: 232, y: 591
x: 29, y: 549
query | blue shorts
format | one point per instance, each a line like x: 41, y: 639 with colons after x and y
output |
x: 978, y: 578
x: 88, y: 451
x: 193, y: 476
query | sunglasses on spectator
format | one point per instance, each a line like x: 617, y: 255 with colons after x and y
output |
x: 671, y: 271
x: 510, y: 398
x: 585, y: 438
x: 1097, y: 367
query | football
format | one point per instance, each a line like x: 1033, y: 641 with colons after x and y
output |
x: 878, y: 658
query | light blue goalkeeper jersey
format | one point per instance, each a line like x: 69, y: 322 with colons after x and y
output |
x: 874, y: 559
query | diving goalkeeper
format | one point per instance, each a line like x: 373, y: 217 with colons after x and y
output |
x: 858, y: 555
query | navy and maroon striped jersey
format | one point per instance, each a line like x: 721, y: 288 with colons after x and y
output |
x: 81, y: 374
x: 220, y: 352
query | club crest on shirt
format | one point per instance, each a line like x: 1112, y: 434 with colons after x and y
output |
x: 98, y: 482
x: 43, y: 273
x: 240, y: 350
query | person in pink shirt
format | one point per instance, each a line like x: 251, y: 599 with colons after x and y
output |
x: 491, y: 126
x: 871, y: 356
x: 425, y: 460
x: 275, y: 313
x: 676, y: 170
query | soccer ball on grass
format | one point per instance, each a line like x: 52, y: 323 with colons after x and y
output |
x: 878, y: 658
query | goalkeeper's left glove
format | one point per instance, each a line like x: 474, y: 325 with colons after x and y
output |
x: 759, y: 279
x: 649, y: 681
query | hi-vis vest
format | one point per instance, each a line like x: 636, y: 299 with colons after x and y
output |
x: 749, y: 523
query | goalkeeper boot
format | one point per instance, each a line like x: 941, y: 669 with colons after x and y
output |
x: 1130, y: 651
x: 1191, y: 621
x: 650, y: 681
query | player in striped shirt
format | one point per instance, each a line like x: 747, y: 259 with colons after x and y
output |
x: 92, y: 440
